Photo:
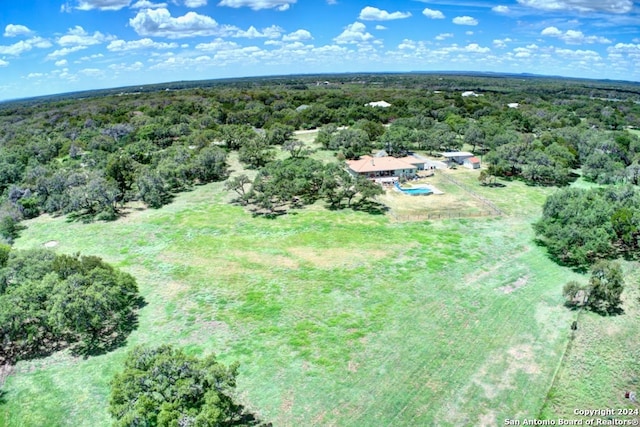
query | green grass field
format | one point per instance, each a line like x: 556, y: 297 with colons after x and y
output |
x: 337, y: 318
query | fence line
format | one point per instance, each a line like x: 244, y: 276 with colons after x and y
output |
x: 442, y: 215
x: 485, y: 202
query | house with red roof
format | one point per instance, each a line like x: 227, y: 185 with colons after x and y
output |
x: 382, y: 169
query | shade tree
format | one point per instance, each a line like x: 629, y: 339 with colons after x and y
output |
x: 50, y: 301
x: 166, y: 387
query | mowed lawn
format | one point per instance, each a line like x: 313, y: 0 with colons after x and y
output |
x: 337, y: 318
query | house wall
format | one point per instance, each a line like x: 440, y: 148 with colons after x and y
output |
x: 470, y: 165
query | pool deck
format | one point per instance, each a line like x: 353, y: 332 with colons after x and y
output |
x: 433, y: 189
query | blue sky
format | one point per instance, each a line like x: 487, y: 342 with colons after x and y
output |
x: 51, y: 47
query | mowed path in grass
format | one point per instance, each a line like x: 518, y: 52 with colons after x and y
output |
x: 337, y: 318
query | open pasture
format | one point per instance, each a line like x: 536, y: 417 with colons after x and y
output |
x: 337, y: 318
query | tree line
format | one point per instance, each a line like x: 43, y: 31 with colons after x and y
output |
x: 581, y: 226
x: 87, y: 157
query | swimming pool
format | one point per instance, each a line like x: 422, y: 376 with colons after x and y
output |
x: 420, y: 191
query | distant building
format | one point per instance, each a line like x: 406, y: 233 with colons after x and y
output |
x: 457, y: 156
x: 513, y: 105
x: 382, y: 104
x: 469, y: 93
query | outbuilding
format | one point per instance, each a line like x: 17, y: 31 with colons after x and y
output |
x: 471, y: 163
x: 457, y: 156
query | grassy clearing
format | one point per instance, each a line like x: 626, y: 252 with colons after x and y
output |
x: 454, y: 202
x: 337, y: 318
x: 602, y: 360
x: 514, y: 197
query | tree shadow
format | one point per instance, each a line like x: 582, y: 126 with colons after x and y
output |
x: 3, y: 397
x: 112, y: 337
x: 609, y: 312
x: 87, y: 217
x: 558, y: 260
x: 246, y: 418
x: 269, y: 214
x: 371, y: 207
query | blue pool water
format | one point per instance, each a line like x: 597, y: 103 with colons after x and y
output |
x: 414, y: 191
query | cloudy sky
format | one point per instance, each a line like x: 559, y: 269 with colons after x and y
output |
x: 51, y: 47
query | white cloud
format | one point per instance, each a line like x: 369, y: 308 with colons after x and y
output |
x: 64, y: 51
x: 444, y: 36
x: 91, y: 72
x: 62, y: 63
x: 102, y: 4
x: 78, y: 36
x: 573, y: 36
x: 217, y: 44
x: 160, y: 23
x: 551, y: 31
x: 582, y: 55
x: 146, y: 4
x: 13, y: 30
x: 146, y: 43
x: 380, y: 27
x: 280, y: 5
x: 609, y: 6
x: 35, y: 75
x: 297, y: 35
x: 250, y: 33
x: 625, y: 48
x: 465, y: 20
x: 469, y: 33
x: 22, y: 46
x: 354, y: 33
x: 408, y: 45
x: 136, y: 66
x: 195, y: 3
x: 501, y: 43
x: 91, y: 57
x: 521, y: 52
x: 433, y: 14
x: 3, y: 63
x: 501, y: 9
x: 476, y: 48
x: 374, y: 14
x: 272, y: 32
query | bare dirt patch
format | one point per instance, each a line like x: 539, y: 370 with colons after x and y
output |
x: 266, y: 259
x: 495, y: 379
x: 488, y: 419
x: 522, y: 359
x: 51, y: 244
x: 286, y: 407
x: 352, y: 366
x: 172, y: 289
x: 335, y: 257
x: 215, y: 326
x: 522, y: 281
x: 5, y: 371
